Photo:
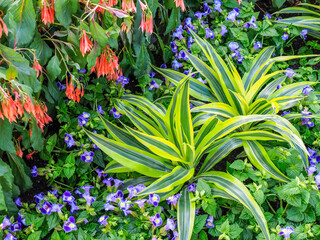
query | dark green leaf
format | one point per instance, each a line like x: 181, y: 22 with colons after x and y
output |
x: 54, y: 67
x: 98, y: 33
x: 6, y: 143
x: 64, y: 10
x: 35, y: 235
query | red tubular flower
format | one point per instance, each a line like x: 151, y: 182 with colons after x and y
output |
x: 107, y: 65
x: 143, y: 6
x: 124, y: 27
x: 28, y: 105
x: 85, y: 43
x: 36, y: 66
x: 128, y: 5
x: 1, y: 115
x: 149, y: 23
x: 111, y: 3
x: 74, y: 94
x: 19, y: 152
x: 180, y: 3
x: 41, y: 115
x: 9, y: 109
x: 3, y: 28
x: 47, y: 11
x: 29, y: 156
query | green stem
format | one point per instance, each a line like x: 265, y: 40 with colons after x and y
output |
x: 271, y: 207
x: 284, y: 209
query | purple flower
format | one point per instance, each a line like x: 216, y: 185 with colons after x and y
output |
x: 9, y: 236
x: 175, y: 235
x: 311, y: 169
x: 313, y: 159
x: 257, y: 45
x: 85, y: 115
x: 170, y: 225
x: 39, y: 197
x: 82, y: 120
x: 317, y: 179
x: 18, y: 202
x: 191, y: 106
x: 57, y: 207
x: 217, y: 6
x: 176, y: 65
x: 16, y: 227
x: 118, y: 182
x: 108, y: 181
x: 183, y: 55
x: 5, y: 223
x: 34, y: 171
x: 111, y: 197
x: 87, y: 156
x: 89, y: 199
x: 103, y: 220
x: 286, y: 232
x: 152, y: 74
x: 115, y: 113
x: 173, y: 199
x: 210, y: 223
x: 101, y: 173
x: 67, y: 197
x: 174, y: 49
x: 100, y: 110
x: 60, y: 86
x: 69, y: 140
x: 285, y: 36
x: 198, y: 15
x: 306, y: 90
x: 188, y: 23
x: 123, y: 80
x: 209, y: 33
x: 190, y: 41
x: 153, y: 85
x: 233, y: 46
x: 233, y: 14
x: 207, y: 10
x: 83, y: 70
x: 240, y: 59
x: 74, y: 207
x: 235, y: 54
x: 108, y: 207
x: 267, y: 16
x: 95, y: 146
x: 46, y: 208
x: 192, y: 187
x: 285, y: 113
x: 154, y: 199
x: 307, y: 121
x: 163, y: 66
x: 251, y: 23
x: 279, y: 86
x: 201, y: 80
x: 178, y: 32
x: 140, y: 202
x: 290, y: 73
x: 156, y: 220
x: 70, y: 225
x: 125, y: 206
x: 304, y: 33
x: 305, y: 113
x: 186, y: 72
x: 223, y: 30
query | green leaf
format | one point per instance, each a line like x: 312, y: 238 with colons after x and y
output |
x: 202, y: 186
x: 186, y: 215
x: 174, y: 21
x: 55, y: 235
x: 270, y: 32
x: 238, y: 165
x: 6, y: 143
x: 199, y: 223
x: 64, y: 10
x: 53, y: 67
x: 35, y: 236
x: 143, y: 62
x: 36, y: 137
x: 53, y: 220
x: 279, y: 3
x: 98, y: 33
x: 11, y: 73
x: 22, y: 28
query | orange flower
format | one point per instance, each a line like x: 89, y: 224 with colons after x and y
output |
x: 29, y: 156
x: 36, y: 66
x: 9, y: 109
x: 143, y: 6
x: 111, y: 3
x: 1, y: 115
x: 128, y: 5
x: 85, y: 43
x: 147, y: 22
x: 19, y: 152
x: 28, y: 105
x: 180, y: 3
x: 47, y: 11
x: 3, y: 27
x: 124, y: 27
x: 41, y: 115
x: 239, y: 1
x: 74, y: 94
x: 107, y: 65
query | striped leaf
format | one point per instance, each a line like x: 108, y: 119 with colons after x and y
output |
x: 115, y: 167
x: 260, y: 159
x: 290, y: 90
x: 237, y: 190
x: 270, y: 88
x: 217, y: 108
x: 145, y: 180
x: 218, y: 153
x: 178, y: 176
x: 257, y: 135
x: 157, y: 145
x: 186, y: 214
x: 197, y: 89
x: 298, y: 10
x: 134, y: 158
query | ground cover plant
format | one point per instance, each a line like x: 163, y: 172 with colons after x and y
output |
x: 155, y: 79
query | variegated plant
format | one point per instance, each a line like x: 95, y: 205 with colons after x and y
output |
x: 253, y: 95
x: 166, y: 147
x: 310, y: 18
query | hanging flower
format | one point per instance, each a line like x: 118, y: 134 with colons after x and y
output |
x: 3, y: 28
x: 107, y: 65
x: 111, y: 3
x: 74, y: 93
x: 146, y: 19
x: 180, y: 3
x: 124, y: 27
x: 128, y: 5
x: 36, y: 66
x: 47, y: 11
x: 85, y: 43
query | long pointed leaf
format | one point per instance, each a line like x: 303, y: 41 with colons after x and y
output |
x: 186, y: 214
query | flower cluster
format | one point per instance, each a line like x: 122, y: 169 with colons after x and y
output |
x: 85, y: 43
x: 74, y: 92
x: 47, y: 11
x: 146, y: 18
